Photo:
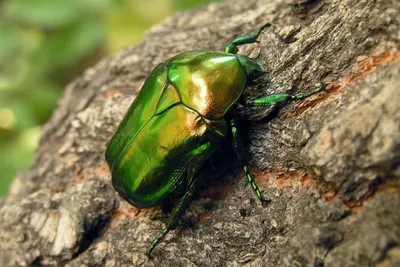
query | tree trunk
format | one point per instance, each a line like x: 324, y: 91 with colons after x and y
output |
x: 328, y: 165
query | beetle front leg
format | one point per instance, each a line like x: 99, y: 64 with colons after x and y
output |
x: 245, y: 39
x: 240, y: 152
x: 278, y: 98
x: 174, y: 220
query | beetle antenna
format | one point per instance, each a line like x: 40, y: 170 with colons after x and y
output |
x: 245, y: 39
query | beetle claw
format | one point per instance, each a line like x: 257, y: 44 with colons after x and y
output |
x: 148, y: 254
x: 265, y: 202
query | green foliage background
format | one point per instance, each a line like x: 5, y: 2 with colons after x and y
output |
x: 44, y: 44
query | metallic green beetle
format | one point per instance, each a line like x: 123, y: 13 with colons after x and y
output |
x: 179, y: 119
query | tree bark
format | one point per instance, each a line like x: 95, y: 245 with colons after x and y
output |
x: 328, y: 165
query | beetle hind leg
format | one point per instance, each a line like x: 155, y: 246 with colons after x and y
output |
x: 240, y: 152
x: 174, y: 220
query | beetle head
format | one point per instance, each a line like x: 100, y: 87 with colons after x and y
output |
x: 252, y: 67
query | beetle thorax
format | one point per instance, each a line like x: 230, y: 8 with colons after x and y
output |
x: 209, y: 82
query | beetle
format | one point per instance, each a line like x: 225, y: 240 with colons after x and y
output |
x: 181, y: 116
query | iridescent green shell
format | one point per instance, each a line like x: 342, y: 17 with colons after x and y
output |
x: 174, y: 125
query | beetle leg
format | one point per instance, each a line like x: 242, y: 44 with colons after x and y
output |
x: 174, y: 220
x: 240, y: 152
x: 277, y: 98
x: 245, y: 39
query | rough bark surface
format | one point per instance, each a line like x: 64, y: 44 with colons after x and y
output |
x: 328, y: 165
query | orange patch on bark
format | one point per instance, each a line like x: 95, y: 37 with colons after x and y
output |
x: 103, y: 169
x: 330, y: 195
x: 390, y: 258
x: 79, y: 176
x: 385, y: 187
x: 363, y: 67
x: 262, y: 177
x: 355, y: 208
x: 307, y: 180
x: 130, y: 212
x: 393, y: 190
x: 110, y: 93
x: 206, y: 217
x: 280, y: 179
x: 284, y: 178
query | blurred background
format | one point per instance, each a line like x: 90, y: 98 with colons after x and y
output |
x: 44, y: 44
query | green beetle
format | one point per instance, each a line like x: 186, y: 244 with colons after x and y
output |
x: 181, y: 116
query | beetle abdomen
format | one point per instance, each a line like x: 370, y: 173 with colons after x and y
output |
x: 154, y: 162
